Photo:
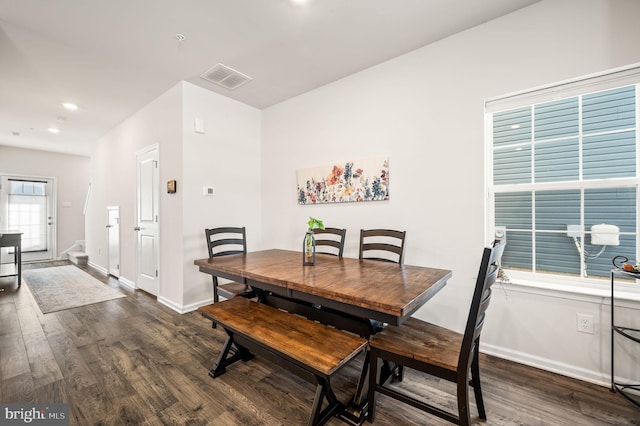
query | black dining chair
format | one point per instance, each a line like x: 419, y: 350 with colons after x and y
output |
x: 382, y: 244
x: 436, y: 351
x: 223, y: 242
x: 330, y: 240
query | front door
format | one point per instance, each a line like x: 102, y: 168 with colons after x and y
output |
x: 27, y: 205
x: 113, y: 238
x: 147, y: 227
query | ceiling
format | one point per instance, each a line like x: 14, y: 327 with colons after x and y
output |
x: 113, y: 57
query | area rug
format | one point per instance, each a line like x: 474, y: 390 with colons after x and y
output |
x: 65, y: 287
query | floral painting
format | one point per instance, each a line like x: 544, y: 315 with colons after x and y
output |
x: 352, y: 181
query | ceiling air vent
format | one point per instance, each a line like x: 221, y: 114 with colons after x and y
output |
x: 225, y: 76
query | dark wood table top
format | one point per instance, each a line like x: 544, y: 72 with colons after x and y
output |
x: 380, y: 290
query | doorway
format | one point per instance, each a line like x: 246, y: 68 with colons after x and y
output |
x: 147, y: 220
x: 113, y: 240
x: 27, y: 204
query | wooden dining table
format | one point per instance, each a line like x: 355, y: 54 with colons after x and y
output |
x: 357, y: 295
x: 382, y: 291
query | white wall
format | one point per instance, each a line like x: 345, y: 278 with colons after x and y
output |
x: 72, y: 178
x: 113, y: 183
x: 227, y: 157
x: 424, y: 110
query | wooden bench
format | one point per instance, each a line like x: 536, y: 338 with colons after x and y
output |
x: 310, y: 350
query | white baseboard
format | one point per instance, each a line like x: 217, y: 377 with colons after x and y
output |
x: 546, y: 364
x: 183, y: 309
x: 127, y: 283
x: 98, y: 267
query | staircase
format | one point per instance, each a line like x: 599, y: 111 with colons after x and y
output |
x: 76, y: 254
x: 78, y: 257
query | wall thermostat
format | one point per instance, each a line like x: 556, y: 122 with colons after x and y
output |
x: 171, y: 187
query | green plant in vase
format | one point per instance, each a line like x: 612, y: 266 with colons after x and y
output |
x: 309, y: 244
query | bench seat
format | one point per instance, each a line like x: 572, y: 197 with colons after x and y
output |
x: 309, y: 349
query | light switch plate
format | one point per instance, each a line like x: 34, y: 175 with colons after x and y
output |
x: 198, y: 125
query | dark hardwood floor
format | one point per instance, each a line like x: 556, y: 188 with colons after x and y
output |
x: 134, y: 361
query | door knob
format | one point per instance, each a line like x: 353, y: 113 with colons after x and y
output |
x: 109, y: 226
x: 137, y: 228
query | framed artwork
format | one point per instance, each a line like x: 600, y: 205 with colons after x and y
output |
x: 345, y: 182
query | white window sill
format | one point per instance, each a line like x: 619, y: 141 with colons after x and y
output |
x: 586, y: 292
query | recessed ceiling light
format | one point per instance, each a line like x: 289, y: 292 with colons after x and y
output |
x: 53, y: 130
x: 515, y: 126
x: 70, y: 106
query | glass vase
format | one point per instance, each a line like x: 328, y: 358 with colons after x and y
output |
x: 309, y: 249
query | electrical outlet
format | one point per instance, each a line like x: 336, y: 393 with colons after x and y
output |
x: 585, y: 323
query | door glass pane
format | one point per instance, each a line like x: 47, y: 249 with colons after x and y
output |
x: 29, y: 215
x: 27, y: 210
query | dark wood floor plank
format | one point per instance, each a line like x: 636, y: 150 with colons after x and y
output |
x: 135, y: 361
x: 42, y: 361
x: 74, y: 369
x: 18, y: 388
x: 51, y: 393
x: 132, y: 410
x: 240, y: 389
x: 143, y: 377
x: 99, y: 359
x: 90, y: 405
x: 28, y: 316
x: 178, y: 414
x: 9, y: 323
x: 14, y: 355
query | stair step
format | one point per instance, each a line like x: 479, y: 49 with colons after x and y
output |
x: 78, y: 257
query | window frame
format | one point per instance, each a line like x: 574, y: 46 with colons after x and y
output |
x: 536, y: 281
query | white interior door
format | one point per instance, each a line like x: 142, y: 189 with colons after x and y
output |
x: 147, y: 228
x: 113, y: 240
x: 27, y: 204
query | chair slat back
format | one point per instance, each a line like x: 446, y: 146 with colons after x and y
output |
x: 330, y: 240
x: 226, y: 240
x: 487, y: 276
x: 377, y: 244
